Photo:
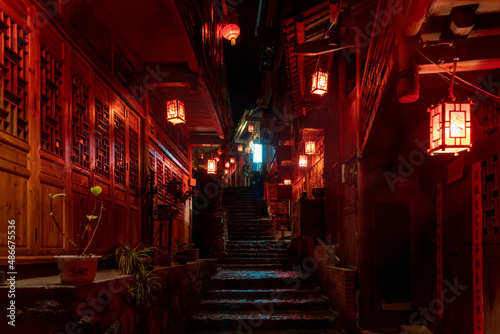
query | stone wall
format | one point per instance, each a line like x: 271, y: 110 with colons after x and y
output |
x: 45, y: 306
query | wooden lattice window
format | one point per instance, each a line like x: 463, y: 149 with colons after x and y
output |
x: 102, y: 138
x: 80, y: 123
x: 50, y: 104
x: 119, y: 150
x: 13, y: 78
x: 134, y: 159
x: 160, y: 179
x: 489, y: 173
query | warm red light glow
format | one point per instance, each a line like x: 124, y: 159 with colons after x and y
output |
x: 175, y: 112
x: 450, y: 128
x: 231, y: 32
x: 319, y: 83
x: 217, y: 159
x: 303, y: 161
x: 211, y: 167
x: 232, y: 160
x: 227, y: 165
x: 250, y: 128
x: 226, y: 171
x: 240, y: 148
x: 287, y: 182
x: 202, y: 156
x: 310, y: 147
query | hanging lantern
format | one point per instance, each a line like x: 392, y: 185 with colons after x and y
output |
x: 226, y: 172
x: 319, y: 83
x: 250, y: 128
x: 287, y: 182
x: 217, y: 159
x: 227, y: 165
x: 450, y: 127
x: 230, y: 32
x: 175, y: 112
x: 240, y: 148
x: 310, y: 147
x: 202, y: 156
x: 303, y: 161
x: 211, y: 167
x: 232, y: 160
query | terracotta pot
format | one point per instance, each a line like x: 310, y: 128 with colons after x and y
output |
x: 192, y: 254
x: 181, y: 257
x: 77, y: 269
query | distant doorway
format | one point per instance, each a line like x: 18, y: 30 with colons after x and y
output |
x: 392, y: 261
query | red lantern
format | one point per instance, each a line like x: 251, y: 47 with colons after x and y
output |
x: 450, y: 127
x: 310, y: 147
x: 287, y: 182
x: 211, y: 167
x: 250, y: 128
x: 217, y: 159
x: 232, y: 160
x: 226, y: 171
x: 240, y: 148
x: 175, y: 112
x: 227, y: 165
x: 303, y: 161
x: 319, y: 83
x: 231, y: 32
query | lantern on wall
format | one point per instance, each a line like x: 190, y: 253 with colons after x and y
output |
x: 250, y: 128
x: 226, y: 172
x: 211, y: 166
x: 231, y: 160
x: 176, y: 112
x: 287, y: 182
x: 227, y: 165
x: 319, y: 83
x: 303, y: 161
x: 310, y: 147
x: 450, y: 127
x: 230, y: 32
x: 240, y: 148
x: 217, y: 159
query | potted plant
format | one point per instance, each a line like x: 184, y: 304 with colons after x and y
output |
x: 131, y: 259
x: 181, y: 251
x: 80, y: 268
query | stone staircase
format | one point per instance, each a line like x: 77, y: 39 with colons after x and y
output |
x: 255, y: 291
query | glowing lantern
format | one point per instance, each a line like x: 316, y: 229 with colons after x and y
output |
x: 250, y: 128
x: 303, y: 161
x: 217, y: 159
x: 450, y: 127
x: 226, y: 171
x: 227, y: 165
x: 319, y: 83
x: 310, y: 147
x: 175, y: 112
x: 232, y: 160
x: 202, y: 156
x: 240, y: 148
x: 231, y: 32
x: 211, y: 167
x: 287, y: 182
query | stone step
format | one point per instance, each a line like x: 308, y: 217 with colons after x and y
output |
x: 243, y: 321
x: 239, y: 228
x: 258, y: 279
x: 262, y: 293
x: 256, y: 260
x: 318, y: 303
x: 250, y: 238
x: 256, y: 253
x: 258, y: 245
x: 252, y: 233
x: 256, y: 267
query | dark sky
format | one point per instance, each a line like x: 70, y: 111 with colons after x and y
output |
x: 242, y: 61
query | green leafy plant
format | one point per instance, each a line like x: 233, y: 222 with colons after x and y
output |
x: 87, y: 230
x: 182, y: 246
x: 132, y: 260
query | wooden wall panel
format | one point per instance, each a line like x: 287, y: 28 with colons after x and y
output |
x: 14, y: 205
x: 48, y: 237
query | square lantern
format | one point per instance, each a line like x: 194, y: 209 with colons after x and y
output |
x: 450, y: 127
x: 211, y: 166
x: 303, y: 161
x: 227, y: 165
x: 240, y: 148
x: 287, y: 182
x: 310, y: 147
x: 250, y: 128
x: 175, y: 112
x: 319, y: 83
x: 231, y: 160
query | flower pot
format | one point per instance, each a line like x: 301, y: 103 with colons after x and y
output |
x: 181, y: 257
x: 77, y: 269
x: 165, y: 259
x: 192, y: 254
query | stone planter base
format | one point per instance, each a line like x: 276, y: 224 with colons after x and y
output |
x: 77, y: 269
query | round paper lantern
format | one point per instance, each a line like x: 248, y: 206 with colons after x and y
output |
x: 231, y: 32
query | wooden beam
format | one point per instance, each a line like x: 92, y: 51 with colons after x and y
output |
x: 300, y: 33
x: 462, y: 66
x: 415, y: 15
